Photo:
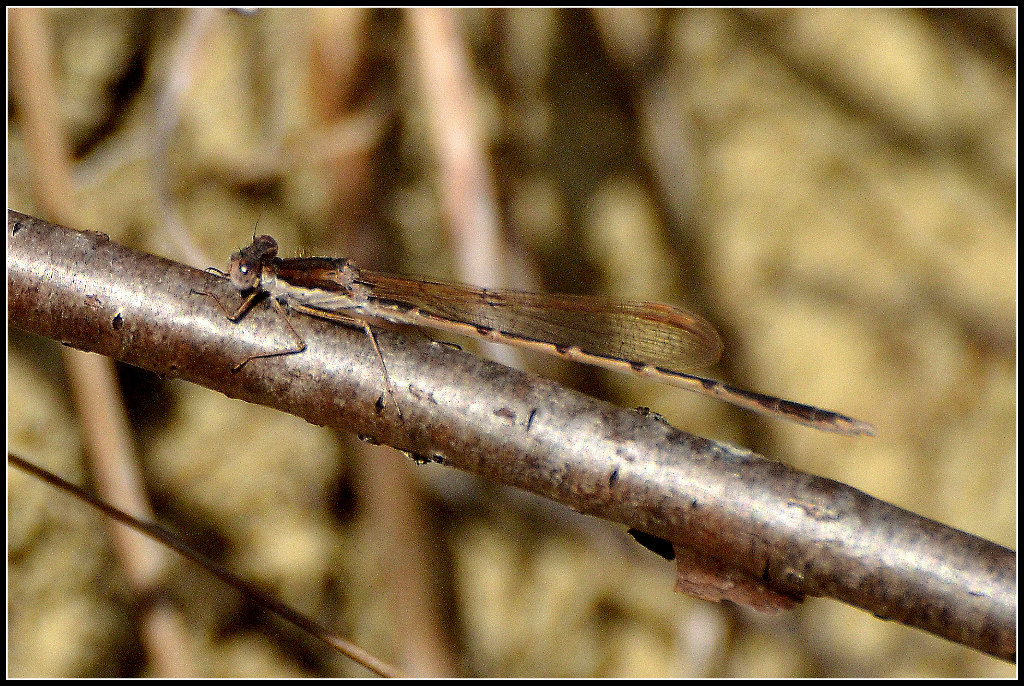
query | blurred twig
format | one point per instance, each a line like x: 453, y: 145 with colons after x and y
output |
x: 100, y: 407
x: 187, y: 52
x: 159, y: 533
x: 447, y: 93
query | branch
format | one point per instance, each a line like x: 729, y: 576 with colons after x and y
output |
x: 754, y: 523
x: 252, y: 591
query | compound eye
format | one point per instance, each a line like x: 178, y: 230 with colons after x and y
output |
x: 244, y: 273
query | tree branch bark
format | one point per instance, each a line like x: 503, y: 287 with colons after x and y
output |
x: 791, y: 533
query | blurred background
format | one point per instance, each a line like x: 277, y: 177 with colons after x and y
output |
x: 834, y: 189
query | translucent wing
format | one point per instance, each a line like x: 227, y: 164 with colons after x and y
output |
x: 635, y: 333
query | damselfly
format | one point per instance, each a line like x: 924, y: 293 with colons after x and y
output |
x: 645, y: 338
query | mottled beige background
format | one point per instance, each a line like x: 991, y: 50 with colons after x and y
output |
x: 834, y: 189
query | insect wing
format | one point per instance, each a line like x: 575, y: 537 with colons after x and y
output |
x: 639, y: 333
